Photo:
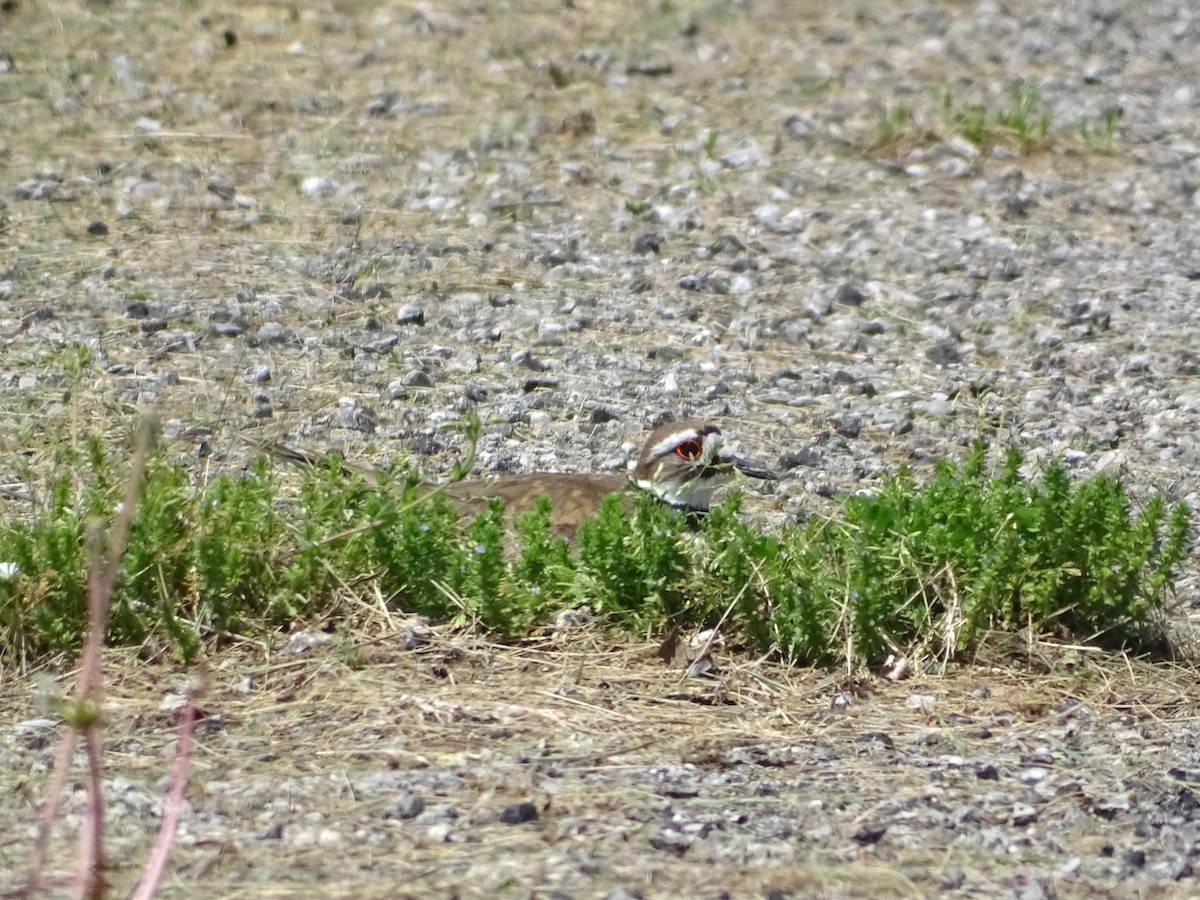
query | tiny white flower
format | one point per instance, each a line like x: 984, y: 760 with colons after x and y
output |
x: 9, y: 570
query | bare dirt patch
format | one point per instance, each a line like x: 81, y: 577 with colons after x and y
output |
x: 586, y: 767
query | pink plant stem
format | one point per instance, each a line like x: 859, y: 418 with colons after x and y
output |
x: 58, y: 780
x: 86, y: 718
x: 88, y: 696
x: 89, y: 878
x: 157, y: 865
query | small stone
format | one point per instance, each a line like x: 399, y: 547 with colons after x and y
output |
x: 257, y: 375
x: 742, y: 157
x: 383, y: 344
x: 818, y: 307
x: 1173, y: 868
x: 849, y: 295
x: 35, y: 733
x: 846, y: 425
x: 869, y: 833
x: 416, y: 635
x: 147, y: 189
x: 795, y: 458
x: 1023, y: 814
x: 943, y: 354
x: 648, y: 243
x: 572, y: 618
x: 227, y: 329
x: 671, y: 842
x: 649, y: 69
x: 952, y: 879
x: 418, y: 378
x: 877, y: 737
x: 466, y: 360
x: 303, y: 641
x: 529, y: 385
x: 272, y: 333
x: 939, y: 407
x: 354, y: 418
x: 318, y: 187
x: 483, y: 816
x: 527, y: 360
x: 97, y: 229
x: 519, y: 813
x: 410, y: 314
x: 799, y: 126
x: 409, y: 805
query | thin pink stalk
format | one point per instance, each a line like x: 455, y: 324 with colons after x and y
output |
x: 85, y: 717
x: 49, y: 812
x: 157, y: 865
x: 89, y: 878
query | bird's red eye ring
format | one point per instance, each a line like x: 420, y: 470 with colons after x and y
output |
x: 690, y: 449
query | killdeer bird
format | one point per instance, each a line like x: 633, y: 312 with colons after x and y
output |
x: 682, y: 464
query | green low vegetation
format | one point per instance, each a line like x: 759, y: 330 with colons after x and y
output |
x: 1022, y: 124
x: 930, y: 567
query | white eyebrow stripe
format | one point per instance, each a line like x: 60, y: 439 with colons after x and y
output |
x: 667, y: 445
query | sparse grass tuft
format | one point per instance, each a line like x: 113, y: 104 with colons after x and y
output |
x: 1101, y: 137
x: 1022, y: 125
x: 892, y: 126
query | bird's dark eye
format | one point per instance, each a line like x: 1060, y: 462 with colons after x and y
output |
x: 691, y: 449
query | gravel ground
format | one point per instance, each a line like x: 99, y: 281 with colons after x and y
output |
x: 345, y: 225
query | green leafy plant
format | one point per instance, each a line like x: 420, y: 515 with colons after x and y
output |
x: 909, y: 567
x: 633, y: 568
